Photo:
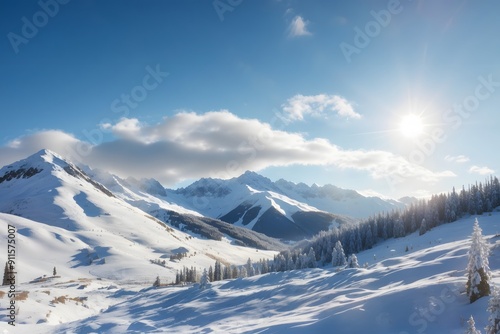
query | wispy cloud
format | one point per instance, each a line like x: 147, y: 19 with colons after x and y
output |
x: 457, y: 159
x: 298, y: 27
x: 320, y: 105
x: 215, y: 144
x: 481, y: 170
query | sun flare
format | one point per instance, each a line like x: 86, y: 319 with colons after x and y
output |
x: 411, y: 126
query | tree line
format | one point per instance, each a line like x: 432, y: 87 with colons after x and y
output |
x: 421, y: 216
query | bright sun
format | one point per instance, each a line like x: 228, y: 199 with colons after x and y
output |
x: 411, y: 126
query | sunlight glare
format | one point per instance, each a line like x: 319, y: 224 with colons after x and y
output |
x: 411, y: 126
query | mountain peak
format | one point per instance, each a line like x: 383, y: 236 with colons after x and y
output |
x: 32, y: 165
x: 45, y: 159
x: 45, y: 163
x: 45, y: 151
x: 254, y: 179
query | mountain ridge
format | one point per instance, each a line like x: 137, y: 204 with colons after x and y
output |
x: 279, y: 209
x: 254, y: 201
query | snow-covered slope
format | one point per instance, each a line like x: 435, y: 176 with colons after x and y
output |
x: 79, y: 226
x: 416, y: 291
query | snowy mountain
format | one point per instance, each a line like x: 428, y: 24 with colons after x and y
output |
x: 210, y: 207
x: 149, y: 196
x: 81, y: 227
x: 213, y: 207
x: 414, y: 284
x: 279, y: 209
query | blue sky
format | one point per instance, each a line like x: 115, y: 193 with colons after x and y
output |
x: 310, y: 91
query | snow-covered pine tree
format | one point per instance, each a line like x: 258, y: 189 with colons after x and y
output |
x: 494, y: 310
x: 423, y: 227
x: 204, y: 280
x: 353, y: 261
x: 243, y: 272
x: 311, y: 259
x: 478, y: 270
x: 399, y: 229
x: 471, y: 329
x: 250, y: 268
x: 264, y: 266
x: 338, y: 256
x: 289, y: 264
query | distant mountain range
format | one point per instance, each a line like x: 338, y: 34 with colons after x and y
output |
x: 250, y: 209
x: 280, y: 209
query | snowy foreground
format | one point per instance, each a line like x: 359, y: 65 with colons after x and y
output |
x: 418, y: 291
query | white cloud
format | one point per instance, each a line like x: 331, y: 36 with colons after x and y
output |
x: 213, y: 144
x: 457, y: 159
x: 58, y: 141
x: 298, y: 27
x: 481, y: 170
x: 318, y: 105
x: 129, y: 128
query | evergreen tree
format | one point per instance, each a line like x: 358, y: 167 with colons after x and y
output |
x: 311, y: 259
x: 157, y: 282
x: 217, y: 271
x: 338, y: 255
x: 54, y: 272
x: 398, y: 230
x: 289, y: 264
x: 250, y: 269
x: 353, y: 261
x: 204, y: 280
x: 423, y: 227
x: 243, y: 272
x: 472, y: 327
x: 369, y: 239
x: 210, y: 274
x: 478, y: 271
x: 234, y: 272
x: 494, y: 310
x: 264, y: 266
x: 6, y: 274
x: 227, y: 273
